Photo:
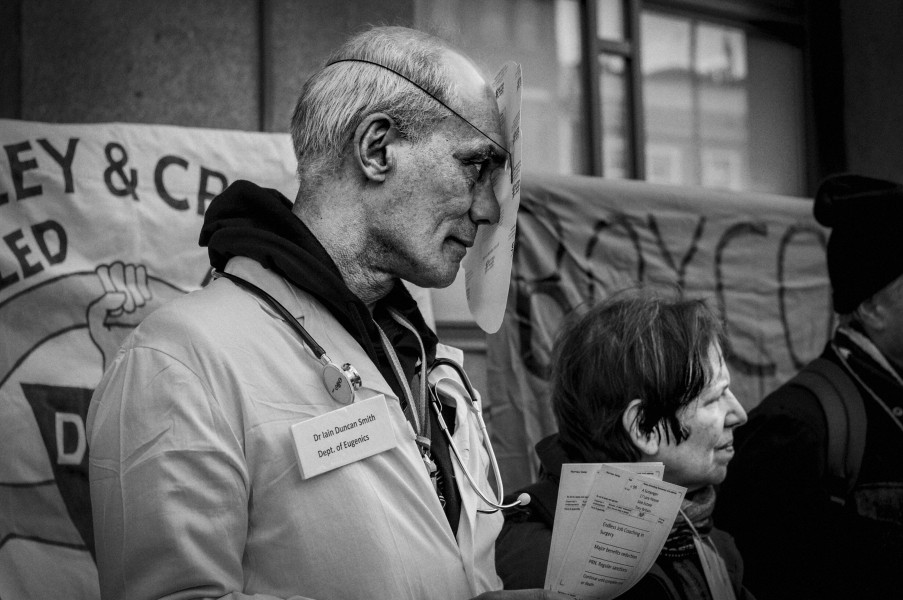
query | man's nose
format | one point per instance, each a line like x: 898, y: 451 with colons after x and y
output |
x: 485, y: 209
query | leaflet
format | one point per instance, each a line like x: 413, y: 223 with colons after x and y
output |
x: 614, y: 521
x: 573, y: 489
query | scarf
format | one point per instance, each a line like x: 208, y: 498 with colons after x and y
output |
x: 697, y: 507
x: 848, y: 338
x: 859, y: 355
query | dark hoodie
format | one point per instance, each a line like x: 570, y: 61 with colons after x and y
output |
x: 258, y: 223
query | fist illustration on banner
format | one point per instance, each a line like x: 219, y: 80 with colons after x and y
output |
x: 125, y: 301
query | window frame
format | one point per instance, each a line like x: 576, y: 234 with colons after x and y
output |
x: 783, y: 20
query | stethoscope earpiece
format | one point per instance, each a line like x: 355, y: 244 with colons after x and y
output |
x: 523, y: 499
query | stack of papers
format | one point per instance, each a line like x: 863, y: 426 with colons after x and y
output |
x: 611, y: 521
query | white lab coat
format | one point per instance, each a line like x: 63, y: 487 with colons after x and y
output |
x: 195, y: 488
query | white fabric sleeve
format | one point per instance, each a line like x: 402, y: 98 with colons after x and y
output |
x: 169, y: 484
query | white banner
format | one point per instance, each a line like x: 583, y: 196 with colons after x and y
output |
x: 99, y: 226
x: 758, y: 259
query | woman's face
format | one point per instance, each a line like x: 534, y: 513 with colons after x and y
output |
x: 701, y: 458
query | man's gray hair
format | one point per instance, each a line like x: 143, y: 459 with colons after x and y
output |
x: 337, y: 98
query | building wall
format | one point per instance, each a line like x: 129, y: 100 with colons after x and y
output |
x: 231, y: 64
x: 873, y: 86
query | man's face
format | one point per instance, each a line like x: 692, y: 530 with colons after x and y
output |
x: 701, y: 459
x: 890, y: 339
x: 441, y: 190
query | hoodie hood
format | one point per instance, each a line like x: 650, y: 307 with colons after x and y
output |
x: 248, y: 220
x: 258, y: 223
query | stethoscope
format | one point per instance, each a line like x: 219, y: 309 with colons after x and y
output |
x: 342, y: 382
x: 496, y: 504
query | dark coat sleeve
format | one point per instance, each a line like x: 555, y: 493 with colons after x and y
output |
x: 522, y: 553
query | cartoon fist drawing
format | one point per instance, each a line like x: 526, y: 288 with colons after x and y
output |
x: 126, y: 300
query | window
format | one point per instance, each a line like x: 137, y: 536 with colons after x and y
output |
x: 685, y: 92
x: 544, y: 36
x: 719, y: 92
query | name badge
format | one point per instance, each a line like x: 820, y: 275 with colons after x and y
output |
x: 343, y: 436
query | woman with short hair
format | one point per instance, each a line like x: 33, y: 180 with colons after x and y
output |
x: 639, y: 377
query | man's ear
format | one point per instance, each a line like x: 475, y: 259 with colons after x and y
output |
x: 871, y: 313
x: 372, y: 152
x: 646, y: 443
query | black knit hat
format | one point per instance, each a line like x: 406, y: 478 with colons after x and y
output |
x: 865, y: 248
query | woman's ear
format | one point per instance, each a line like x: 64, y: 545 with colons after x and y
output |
x: 646, y: 443
x: 373, y: 151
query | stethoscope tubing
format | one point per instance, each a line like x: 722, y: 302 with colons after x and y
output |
x: 308, y: 339
x: 320, y: 354
x: 497, y: 504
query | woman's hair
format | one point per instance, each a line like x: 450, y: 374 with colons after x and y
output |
x: 335, y: 100
x: 634, y: 345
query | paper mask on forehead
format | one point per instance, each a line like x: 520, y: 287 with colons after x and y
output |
x: 487, y: 265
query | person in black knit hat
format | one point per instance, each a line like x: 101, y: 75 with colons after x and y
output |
x: 839, y: 521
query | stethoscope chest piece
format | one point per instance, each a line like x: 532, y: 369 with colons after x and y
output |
x: 341, y: 382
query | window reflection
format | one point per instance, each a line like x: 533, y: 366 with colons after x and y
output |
x: 610, y: 19
x: 615, y: 117
x: 544, y: 37
x: 720, y: 53
x: 705, y: 123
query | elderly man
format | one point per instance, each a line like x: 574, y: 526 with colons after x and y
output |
x: 805, y: 532
x: 230, y: 456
